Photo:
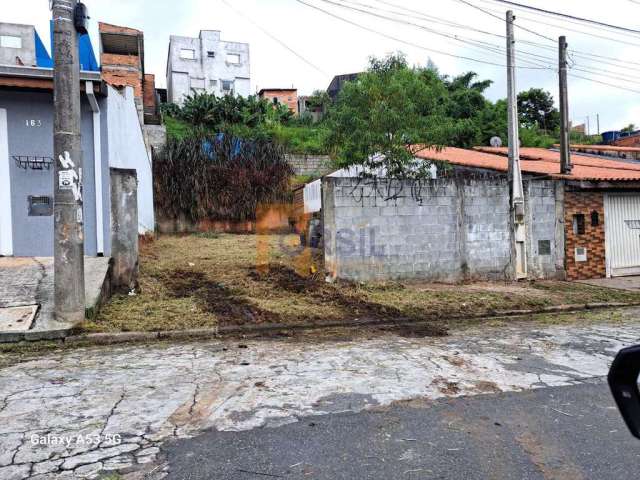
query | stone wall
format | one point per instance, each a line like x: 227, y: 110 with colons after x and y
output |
x: 593, y: 238
x: 316, y: 165
x: 449, y: 229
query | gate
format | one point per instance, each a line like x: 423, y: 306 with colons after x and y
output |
x: 622, y: 234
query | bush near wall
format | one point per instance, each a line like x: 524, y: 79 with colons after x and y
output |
x: 219, y: 178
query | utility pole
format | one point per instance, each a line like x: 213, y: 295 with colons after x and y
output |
x: 565, y: 154
x: 68, y: 216
x: 517, y: 222
x: 588, y: 125
x: 598, y: 122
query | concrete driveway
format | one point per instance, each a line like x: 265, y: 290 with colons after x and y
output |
x: 621, y: 283
x: 74, y: 414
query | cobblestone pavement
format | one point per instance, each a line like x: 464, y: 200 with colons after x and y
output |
x: 76, y: 413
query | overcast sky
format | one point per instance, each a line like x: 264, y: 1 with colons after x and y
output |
x: 335, y: 47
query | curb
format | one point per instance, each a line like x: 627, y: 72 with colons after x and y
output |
x: 67, y: 337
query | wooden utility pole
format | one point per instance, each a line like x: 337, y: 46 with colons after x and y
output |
x: 68, y: 247
x: 565, y: 154
x: 518, y: 224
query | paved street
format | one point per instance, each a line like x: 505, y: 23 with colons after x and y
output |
x: 329, y: 405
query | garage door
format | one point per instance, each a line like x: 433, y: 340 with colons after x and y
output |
x: 622, y: 230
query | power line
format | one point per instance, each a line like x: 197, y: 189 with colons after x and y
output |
x: 565, y: 28
x: 399, y: 40
x: 605, y: 83
x: 586, y: 55
x: 572, y: 17
x: 274, y: 38
x: 469, y: 4
x: 491, y: 47
x: 484, y: 45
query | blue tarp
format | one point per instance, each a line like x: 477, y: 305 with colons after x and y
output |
x: 209, y: 150
x: 88, y: 60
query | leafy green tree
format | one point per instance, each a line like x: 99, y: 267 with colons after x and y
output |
x: 629, y: 128
x: 536, y: 110
x: 381, y: 120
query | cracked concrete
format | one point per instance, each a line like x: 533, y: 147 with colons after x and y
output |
x: 107, y: 409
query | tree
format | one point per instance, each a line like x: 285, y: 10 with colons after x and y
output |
x: 629, y: 128
x: 391, y: 112
x: 536, y: 110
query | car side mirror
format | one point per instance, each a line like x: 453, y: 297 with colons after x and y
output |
x: 623, y: 381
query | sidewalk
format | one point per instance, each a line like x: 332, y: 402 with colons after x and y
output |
x: 28, y: 282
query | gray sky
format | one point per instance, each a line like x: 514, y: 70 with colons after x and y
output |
x: 336, y: 47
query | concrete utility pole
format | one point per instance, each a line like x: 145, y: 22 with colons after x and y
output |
x: 565, y: 154
x: 514, y: 172
x: 68, y: 216
x: 598, y: 122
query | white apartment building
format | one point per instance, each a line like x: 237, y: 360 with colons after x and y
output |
x: 207, y: 64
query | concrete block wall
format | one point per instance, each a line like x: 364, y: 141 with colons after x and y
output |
x: 447, y: 230
x: 544, y: 212
x: 310, y: 164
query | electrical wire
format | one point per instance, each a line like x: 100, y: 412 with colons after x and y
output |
x: 483, y: 47
x: 469, y: 4
x: 572, y: 17
x: 274, y: 38
x: 405, y: 42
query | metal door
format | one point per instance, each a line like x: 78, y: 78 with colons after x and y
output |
x: 622, y: 234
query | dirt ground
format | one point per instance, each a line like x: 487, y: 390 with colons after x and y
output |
x: 205, y: 280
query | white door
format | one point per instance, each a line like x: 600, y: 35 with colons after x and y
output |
x: 622, y: 234
x: 6, y: 233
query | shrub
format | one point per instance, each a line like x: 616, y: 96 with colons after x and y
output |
x: 219, y: 177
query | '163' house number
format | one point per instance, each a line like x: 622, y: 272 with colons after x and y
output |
x: 33, y: 123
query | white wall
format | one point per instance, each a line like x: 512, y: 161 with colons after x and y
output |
x: 6, y: 233
x: 204, y: 68
x: 127, y: 150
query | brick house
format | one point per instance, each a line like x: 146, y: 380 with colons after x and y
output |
x: 601, y: 202
x: 284, y: 96
x: 122, y: 60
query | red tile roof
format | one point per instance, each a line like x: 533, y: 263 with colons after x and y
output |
x: 538, y: 161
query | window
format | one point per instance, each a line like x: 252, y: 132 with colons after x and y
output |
x: 228, y: 86
x: 187, y: 54
x: 544, y: 247
x: 276, y: 101
x: 233, y: 58
x: 213, y: 83
x: 211, y: 54
x: 578, y: 224
x: 595, y: 219
x: 9, y: 41
x: 197, y: 83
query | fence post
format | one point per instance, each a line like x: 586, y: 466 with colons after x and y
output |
x: 124, y: 228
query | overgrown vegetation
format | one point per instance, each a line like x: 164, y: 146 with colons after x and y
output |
x: 388, y: 109
x: 249, y: 118
x: 199, y: 281
x: 219, y: 177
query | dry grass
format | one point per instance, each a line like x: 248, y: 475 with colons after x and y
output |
x: 199, y: 281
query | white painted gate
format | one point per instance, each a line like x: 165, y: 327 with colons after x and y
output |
x: 622, y: 234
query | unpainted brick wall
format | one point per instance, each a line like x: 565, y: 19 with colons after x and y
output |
x: 585, y: 202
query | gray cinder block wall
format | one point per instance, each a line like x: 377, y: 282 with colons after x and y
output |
x: 449, y: 230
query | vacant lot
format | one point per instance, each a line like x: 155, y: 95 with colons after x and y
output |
x: 200, y: 281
